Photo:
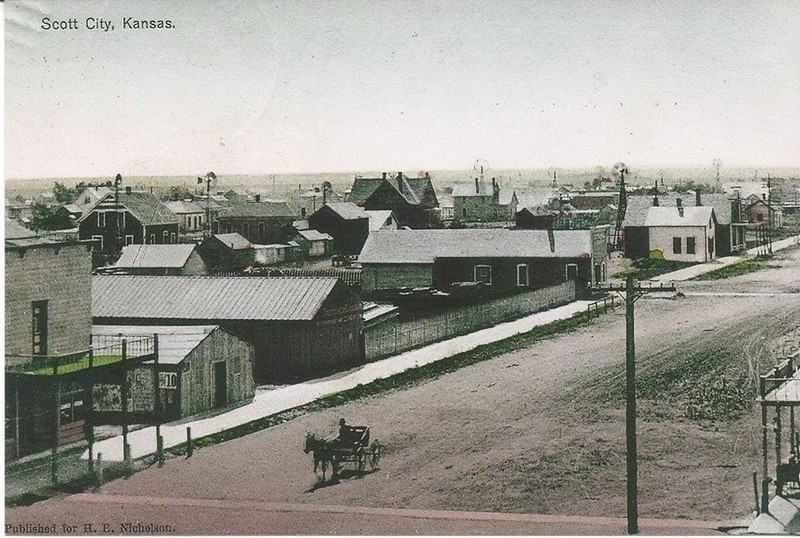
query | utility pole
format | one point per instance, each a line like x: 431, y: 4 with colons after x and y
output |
x: 631, y: 292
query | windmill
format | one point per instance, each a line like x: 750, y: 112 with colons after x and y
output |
x: 717, y: 165
x: 326, y: 188
x: 211, y: 183
x: 479, y: 166
x: 620, y: 169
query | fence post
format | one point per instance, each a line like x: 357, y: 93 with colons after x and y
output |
x: 160, y: 450
x: 99, y: 475
x: 755, y: 491
x: 189, y: 445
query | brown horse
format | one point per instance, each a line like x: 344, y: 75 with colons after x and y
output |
x: 323, y: 454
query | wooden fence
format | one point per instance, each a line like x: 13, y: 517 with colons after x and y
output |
x: 394, y: 337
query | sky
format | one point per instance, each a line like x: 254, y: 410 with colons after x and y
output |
x: 257, y: 87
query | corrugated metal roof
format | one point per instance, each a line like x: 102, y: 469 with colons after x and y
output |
x: 209, y: 298
x: 670, y: 216
x: 424, y: 246
x: 174, y: 342
x: 155, y: 255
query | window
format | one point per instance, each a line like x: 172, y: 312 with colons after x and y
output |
x: 152, y: 239
x: 87, y: 200
x: 571, y: 271
x: 164, y: 237
x: 99, y: 239
x: 483, y: 273
x: 690, y: 245
x: 173, y: 238
x: 128, y: 240
x: 39, y: 327
x: 245, y: 229
x: 676, y: 245
x: 760, y: 217
x: 522, y: 275
x: 262, y: 231
x: 101, y: 219
x: 121, y: 219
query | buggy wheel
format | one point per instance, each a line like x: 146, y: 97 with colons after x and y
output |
x: 375, y: 457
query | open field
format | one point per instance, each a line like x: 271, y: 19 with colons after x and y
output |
x: 536, y: 430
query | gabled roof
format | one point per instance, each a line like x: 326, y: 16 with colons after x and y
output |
x: 182, y: 207
x: 412, y: 190
x: 145, y: 207
x: 73, y: 208
x: 378, y: 217
x: 638, y: 206
x: 424, y: 246
x: 155, y: 256
x: 94, y: 193
x: 175, y: 342
x: 209, y: 298
x: 346, y: 210
x: 234, y: 241
x: 671, y: 216
x: 535, y: 196
x: 468, y: 189
x: 258, y: 209
x: 14, y: 230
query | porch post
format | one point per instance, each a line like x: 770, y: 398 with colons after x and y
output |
x: 56, y: 422
x: 126, y: 455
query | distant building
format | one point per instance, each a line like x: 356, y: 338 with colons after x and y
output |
x: 175, y: 260
x: 761, y: 212
x: 482, y: 202
x: 382, y: 219
x: 90, y: 196
x: 139, y: 218
x: 345, y: 222
x: 226, y: 252
x: 536, y: 218
x: 504, y: 259
x: 314, y: 244
x: 413, y: 200
x: 191, y: 215
x: 298, y: 326
x: 258, y: 222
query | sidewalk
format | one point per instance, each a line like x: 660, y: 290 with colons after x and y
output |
x: 696, y: 270
x: 143, y: 442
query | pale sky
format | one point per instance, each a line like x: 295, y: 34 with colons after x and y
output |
x: 291, y: 86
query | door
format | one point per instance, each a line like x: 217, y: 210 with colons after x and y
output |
x: 220, y: 384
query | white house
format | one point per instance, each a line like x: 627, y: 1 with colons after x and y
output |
x: 684, y: 234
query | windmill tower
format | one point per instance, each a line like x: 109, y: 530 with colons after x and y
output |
x: 620, y: 169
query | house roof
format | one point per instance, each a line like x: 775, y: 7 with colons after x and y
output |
x: 535, y: 196
x: 234, y: 240
x: 411, y: 189
x: 347, y: 210
x: 258, y: 209
x: 377, y: 218
x: 638, y: 206
x: 424, y: 246
x: 670, y: 216
x: 94, y: 193
x: 14, y: 230
x: 147, y: 209
x: 73, y: 208
x: 155, y: 256
x: 174, y: 342
x: 182, y: 207
x: 314, y: 235
x: 209, y: 298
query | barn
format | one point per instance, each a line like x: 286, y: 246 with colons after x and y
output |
x: 298, y: 326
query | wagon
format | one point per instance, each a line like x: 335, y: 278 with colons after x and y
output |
x: 353, y: 446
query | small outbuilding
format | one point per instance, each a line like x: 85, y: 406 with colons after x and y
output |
x: 175, y: 260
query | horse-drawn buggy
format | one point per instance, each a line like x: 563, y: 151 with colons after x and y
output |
x: 352, y: 446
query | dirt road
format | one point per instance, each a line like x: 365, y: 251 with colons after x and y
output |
x: 539, y: 430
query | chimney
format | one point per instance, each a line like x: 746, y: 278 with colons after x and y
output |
x: 697, y: 201
x: 400, y: 181
x: 258, y: 197
x: 128, y: 189
x: 679, y: 203
x: 551, y: 237
x: 477, y: 186
x: 384, y: 175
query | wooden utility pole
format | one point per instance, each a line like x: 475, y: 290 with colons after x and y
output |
x: 632, y: 292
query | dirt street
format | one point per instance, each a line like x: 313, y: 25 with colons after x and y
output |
x: 540, y: 430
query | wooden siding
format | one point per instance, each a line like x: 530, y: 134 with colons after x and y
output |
x: 393, y: 276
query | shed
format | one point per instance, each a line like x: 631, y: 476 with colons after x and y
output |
x: 345, y: 222
x: 314, y: 243
x: 180, y: 259
x: 227, y: 252
x: 200, y: 368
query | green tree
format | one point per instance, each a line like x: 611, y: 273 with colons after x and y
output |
x: 67, y: 195
x: 44, y: 217
x: 177, y: 192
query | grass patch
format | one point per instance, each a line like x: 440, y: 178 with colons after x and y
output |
x: 398, y: 381
x: 742, y: 267
x: 647, y: 268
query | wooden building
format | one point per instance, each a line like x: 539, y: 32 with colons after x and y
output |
x: 345, y: 222
x: 138, y: 218
x: 258, y: 222
x: 504, y: 260
x: 413, y: 200
x: 182, y: 259
x: 191, y: 215
x: 200, y: 368
x: 315, y: 244
x: 226, y: 252
x: 298, y: 326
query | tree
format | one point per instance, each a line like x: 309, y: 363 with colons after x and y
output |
x: 67, y: 195
x: 177, y: 192
x: 45, y: 217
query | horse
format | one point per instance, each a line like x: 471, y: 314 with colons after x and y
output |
x: 323, y: 454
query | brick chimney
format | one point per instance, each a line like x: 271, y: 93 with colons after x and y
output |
x: 477, y: 187
x: 697, y: 201
x: 384, y: 175
x: 128, y: 189
x: 679, y: 203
